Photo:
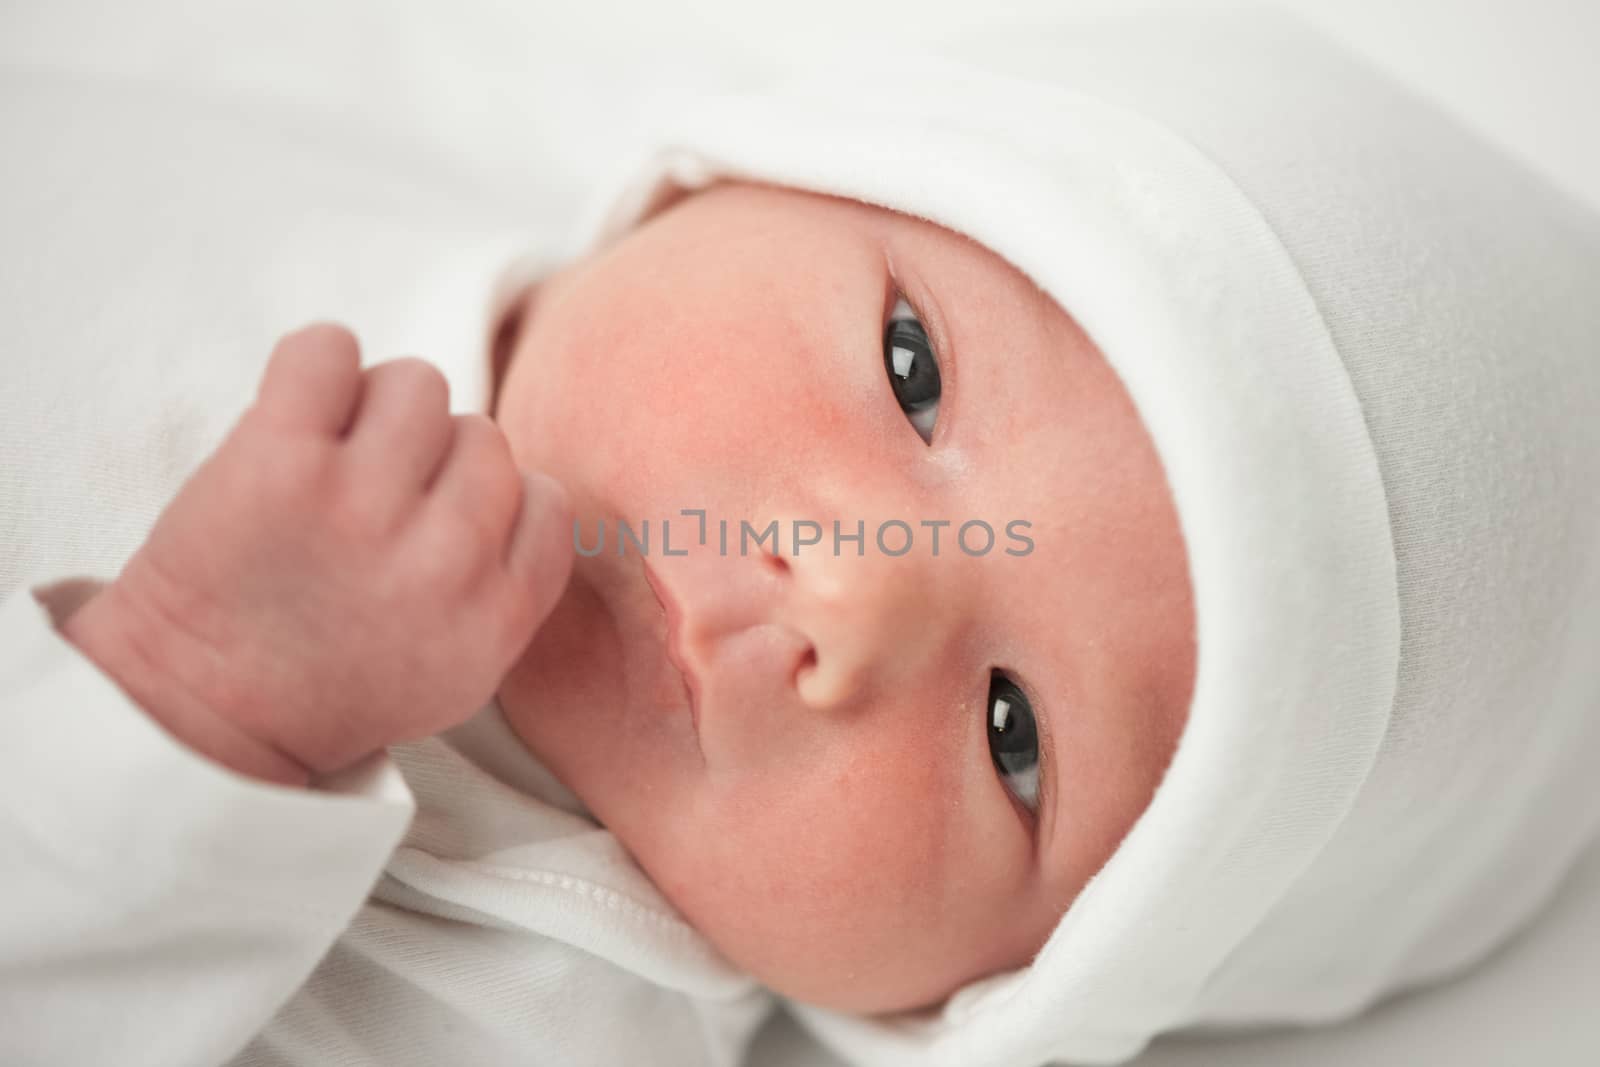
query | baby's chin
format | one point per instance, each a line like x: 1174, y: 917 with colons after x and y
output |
x: 869, y: 987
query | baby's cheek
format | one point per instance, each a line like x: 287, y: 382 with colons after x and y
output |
x: 852, y: 872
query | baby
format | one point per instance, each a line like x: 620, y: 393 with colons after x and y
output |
x: 1021, y: 567
x: 861, y: 795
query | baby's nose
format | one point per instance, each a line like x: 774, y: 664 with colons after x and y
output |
x: 871, y: 618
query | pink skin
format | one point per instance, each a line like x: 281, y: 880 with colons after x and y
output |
x: 831, y: 817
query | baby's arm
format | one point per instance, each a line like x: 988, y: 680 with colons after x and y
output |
x: 352, y: 568
x: 160, y: 909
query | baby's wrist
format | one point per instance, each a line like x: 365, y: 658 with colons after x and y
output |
x: 118, y: 642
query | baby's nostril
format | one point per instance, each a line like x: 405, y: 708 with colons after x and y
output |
x: 807, y: 662
x: 776, y: 563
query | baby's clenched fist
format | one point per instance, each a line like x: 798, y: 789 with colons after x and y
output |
x: 353, y: 567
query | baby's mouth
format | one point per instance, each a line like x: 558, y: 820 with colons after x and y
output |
x: 672, y: 616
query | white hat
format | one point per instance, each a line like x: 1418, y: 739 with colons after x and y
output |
x: 1366, y: 346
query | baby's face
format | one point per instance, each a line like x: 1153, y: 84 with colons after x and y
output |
x: 853, y: 818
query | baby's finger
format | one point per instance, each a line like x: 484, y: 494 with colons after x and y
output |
x: 402, y: 432
x: 540, y: 555
x: 478, y: 482
x: 312, y: 381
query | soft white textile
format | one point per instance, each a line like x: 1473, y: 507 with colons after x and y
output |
x: 1367, y: 347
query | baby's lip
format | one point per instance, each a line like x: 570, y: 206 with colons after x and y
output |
x: 669, y: 605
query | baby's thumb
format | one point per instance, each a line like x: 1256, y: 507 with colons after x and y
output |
x: 540, y: 554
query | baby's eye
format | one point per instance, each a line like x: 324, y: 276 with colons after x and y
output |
x: 1013, y: 741
x: 913, y: 372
